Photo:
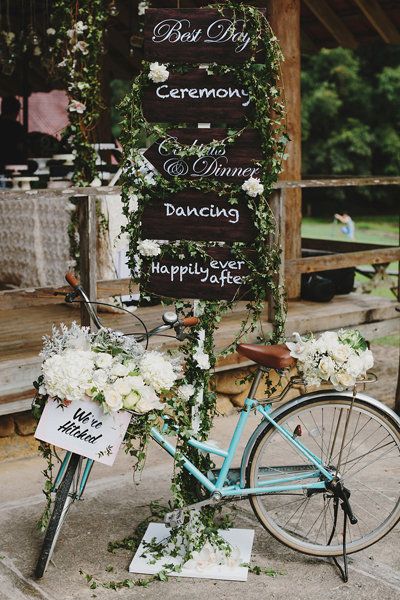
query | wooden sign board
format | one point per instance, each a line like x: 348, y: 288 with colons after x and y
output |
x: 198, y: 216
x: 196, y: 97
x: 196, y: 36
x: 220, y: 277
x: 229, y: 162
x: 83, y: 428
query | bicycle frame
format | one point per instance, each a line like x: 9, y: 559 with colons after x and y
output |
x: 221, y: 485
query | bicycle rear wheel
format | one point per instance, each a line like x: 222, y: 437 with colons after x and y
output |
x: 370, y: 470
x: 64, y: 498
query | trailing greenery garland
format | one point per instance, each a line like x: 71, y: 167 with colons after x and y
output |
x: 140, y: 186
x: 76, y: 36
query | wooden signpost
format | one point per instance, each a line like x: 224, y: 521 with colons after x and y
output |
x: 233, y: 162
x: 196, y: 36
x: 220, y: 277
x: 196, y: 96
x: 193, y: 215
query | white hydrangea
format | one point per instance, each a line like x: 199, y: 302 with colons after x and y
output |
x: 156, y: 371
x: 253, y: 187
x: 103, y: 360
x: 67, y: 375
x: 158, y: 72
x: 149, y: 248
x: 202, y: 359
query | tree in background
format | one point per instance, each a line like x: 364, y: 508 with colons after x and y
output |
x: 350, y: 119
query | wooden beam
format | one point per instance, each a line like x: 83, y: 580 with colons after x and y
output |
x: 339, y: 261
x: 332, y: 23
x: 284, y: 17
x: 379, y: 20
x: 88, y: 257
x: 338, y: 245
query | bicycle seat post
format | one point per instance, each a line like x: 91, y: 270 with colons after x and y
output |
x: 256, y: 382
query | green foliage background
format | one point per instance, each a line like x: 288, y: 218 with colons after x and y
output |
x: 351, y: 125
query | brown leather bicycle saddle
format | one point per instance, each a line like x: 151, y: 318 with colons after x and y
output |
x: 273, y: 357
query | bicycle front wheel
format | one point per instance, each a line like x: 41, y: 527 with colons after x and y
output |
x: 369, y: 468
x: 64, y: 498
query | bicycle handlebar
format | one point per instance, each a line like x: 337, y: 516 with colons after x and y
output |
x: 178, y: 325
x: 72, y: 280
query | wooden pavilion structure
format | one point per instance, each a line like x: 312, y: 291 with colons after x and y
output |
x: 301, y: 26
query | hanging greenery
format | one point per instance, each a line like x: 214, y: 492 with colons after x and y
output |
x: 142, y: 185
x: 76, y: 38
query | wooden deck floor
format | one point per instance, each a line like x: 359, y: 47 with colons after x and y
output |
x: 21, y: 332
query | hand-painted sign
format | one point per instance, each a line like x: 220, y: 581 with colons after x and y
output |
x: 196, y: 36
x: 83, y: 428
x: 227, y: 162
x: 219, y: 277
x: 198, y: 216
x: 195, y: 97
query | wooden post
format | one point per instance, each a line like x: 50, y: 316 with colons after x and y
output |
x: 87, y: 246
x: 277, y: 205
x: 284, y: 16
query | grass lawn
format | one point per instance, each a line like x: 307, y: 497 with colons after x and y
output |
x: 378, y: 229
x: 370, y: 230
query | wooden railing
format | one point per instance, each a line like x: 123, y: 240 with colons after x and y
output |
x: 345, y: 254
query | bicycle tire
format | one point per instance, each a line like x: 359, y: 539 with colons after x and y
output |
x: 272, y: 518
x: 61, y: 505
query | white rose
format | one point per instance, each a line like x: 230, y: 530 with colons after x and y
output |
x: 113, y: 399
x: 149, y: 248
x: 326, y: 367
x: 131, y: 365
x: 123, y: 386
x: 253, y: 187
x: 158, y: 73
x: 342, y: 381
x: 119, y: 370
x: 103, y: 360
x: 341, y: 353
x: 51, y: 31
x: 130, y: 401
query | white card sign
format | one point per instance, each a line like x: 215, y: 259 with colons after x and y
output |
x: 83, y: 428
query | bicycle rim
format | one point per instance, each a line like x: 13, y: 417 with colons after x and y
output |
x: 370, y: 469
x: 65, y: 496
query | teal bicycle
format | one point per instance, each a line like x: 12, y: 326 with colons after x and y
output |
x: 323, y: 455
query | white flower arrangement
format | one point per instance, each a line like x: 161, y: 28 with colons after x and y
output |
x: 337, y: 357
x: 107, y: 367
x: 158, y: 73
x: 253, y: 187
x: 149, y: 248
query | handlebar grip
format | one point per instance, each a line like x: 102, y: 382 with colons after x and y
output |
x: 190, y: 321
x: 72, y: 280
